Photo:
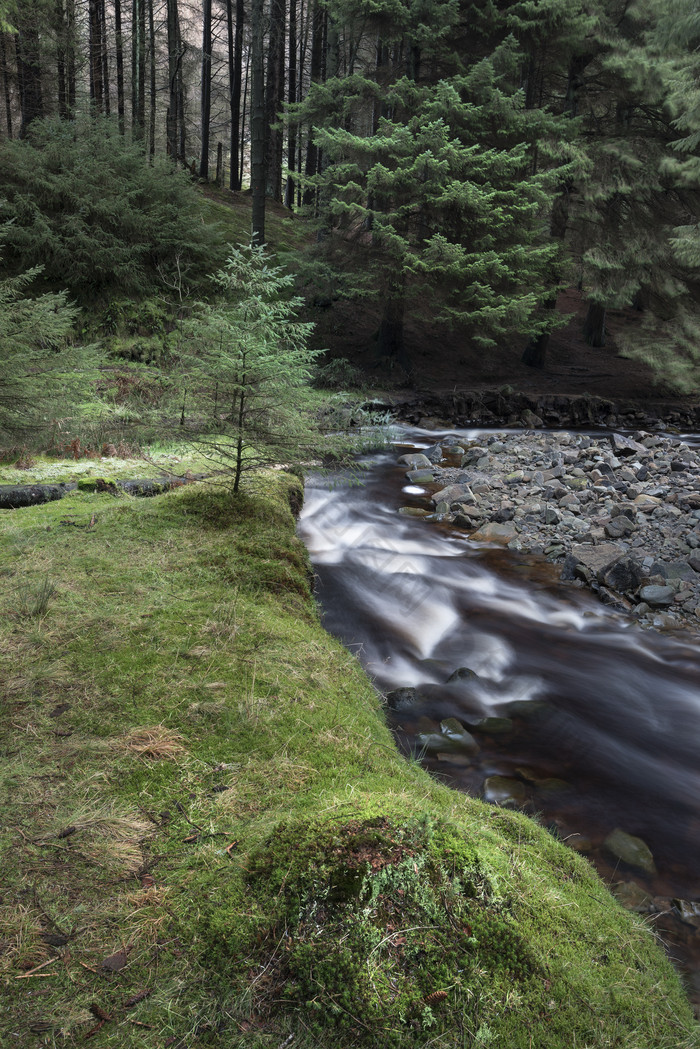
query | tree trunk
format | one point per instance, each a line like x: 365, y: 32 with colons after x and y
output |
x: 316, y: 72
x: 390, y: 336
x: 206, y: 90
x: 274, y: 96
x: 119, y: 44
x: 173, y: 63
x: 6, y: 85
x: 291, y: 98
x: 535, y: 352
x: 235, y: 77
x: 95, y: 55
x: 257, y: 123
x: 104, y: 57
x: 594, y: 325
x: 153, y: 97
x: 60, y: 29
x: 29, y: 75
x: 219, y: 164
x: 138, y: 68
x: 70, y: 55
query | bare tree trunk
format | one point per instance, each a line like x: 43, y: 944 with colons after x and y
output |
x: 95, y: 55
x: 60, y: 29
x: 316, y: 72
x: 274, y: 96
x: 173, y: 65
x: 235, y: 76
x: 291, y: 99
x: 29, y: 76
x: 219, y: 178
x: 119, y: 43
x: 594, y: 325
x: 104, y: 56
x: 244, y: 110
x: 6, y: 85
x: 180, y: 112
x: 153, y: 97
x: 138, y: 68
x: 257, y: 123
x: 206, y: 90
x: 70, y: 55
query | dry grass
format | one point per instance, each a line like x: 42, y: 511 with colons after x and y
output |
x: 153, y: 743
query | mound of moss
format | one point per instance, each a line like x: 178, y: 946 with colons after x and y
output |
x: 211, y: 839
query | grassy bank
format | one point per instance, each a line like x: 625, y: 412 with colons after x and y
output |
x: 211, y: 840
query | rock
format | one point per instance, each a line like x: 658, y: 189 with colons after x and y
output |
x: 625, y: 446
x: 620, y: 526
x: 646, y: 503
x: 632, y: 896
x: 657, y: 596
x: 688, y: 911
x: 415, y: 460
x: 492, y: 726
x: 462, y: 674
x: 630, y: 850
x: 401, y: 698
x: 503, y: 790
x: 625, y: 574
x: 455, y: 731
x: 454, y: 493
x: 493, y: 532
x: 595, y: 557
x: 420, y: 476
x: 413, y: 511
x: 434, y: 453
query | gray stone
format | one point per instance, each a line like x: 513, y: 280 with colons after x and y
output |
x: 620, y: 526
x: 414, y: 460
x: 625, y: 446
x: 657, y: 596
x: 454, y: 493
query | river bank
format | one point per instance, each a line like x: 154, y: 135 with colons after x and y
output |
x: 620, y: 515
x: 210, y: 834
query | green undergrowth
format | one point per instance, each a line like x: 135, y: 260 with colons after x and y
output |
x: 210, y: 838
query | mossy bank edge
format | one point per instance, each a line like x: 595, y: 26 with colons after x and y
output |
x: 210, y: 838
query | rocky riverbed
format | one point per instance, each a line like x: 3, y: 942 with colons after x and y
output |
x: 620, y: 514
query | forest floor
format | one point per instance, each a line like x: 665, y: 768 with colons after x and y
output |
x: 443, y: 361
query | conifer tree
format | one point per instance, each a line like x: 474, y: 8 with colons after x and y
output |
x: 33, y: 331
x: 248, y: 355
x: 434, y: 182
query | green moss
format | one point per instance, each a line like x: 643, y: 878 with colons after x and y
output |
x: 307, y: 879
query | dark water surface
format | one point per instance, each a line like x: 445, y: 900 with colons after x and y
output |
x: 605, y: 717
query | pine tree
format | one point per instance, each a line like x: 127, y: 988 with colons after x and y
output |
x: 436, y: 185
x: 249, y: 358
x: 33, y: 331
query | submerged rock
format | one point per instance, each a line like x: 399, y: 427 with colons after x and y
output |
x: 503, y: 790
x: 630, y: 850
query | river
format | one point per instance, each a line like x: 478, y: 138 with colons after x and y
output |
x: 593, y: 723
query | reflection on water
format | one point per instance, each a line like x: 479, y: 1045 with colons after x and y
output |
x: 604, y: 719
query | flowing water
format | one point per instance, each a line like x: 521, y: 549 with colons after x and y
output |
x: 598, y: 721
